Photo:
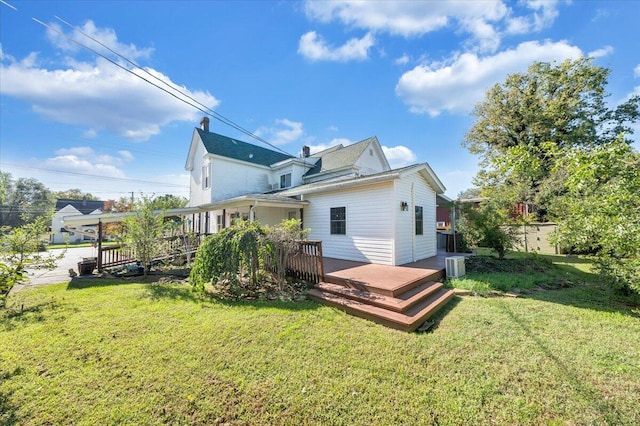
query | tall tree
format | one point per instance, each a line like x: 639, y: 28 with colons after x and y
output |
x: 75, y: 194
x: 23, y: 200
x: 600, y: 209
x: 527, y: 123
x: 168, y: 201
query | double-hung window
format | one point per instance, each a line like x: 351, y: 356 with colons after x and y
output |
x: 206, y: 176
x: 285, y: 180
x: 418, y: 220
x: 338, y: 220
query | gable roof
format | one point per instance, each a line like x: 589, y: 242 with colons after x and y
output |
x: 345, y: 182
x: 339, y: 157
x: 232, y: 148
x: 84, y: 206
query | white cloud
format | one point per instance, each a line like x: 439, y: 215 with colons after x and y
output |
x: 313, y: 47
x: 598, y: 53
x: 287, y: 131
x: 331, y: 143
x: 399, y: 156
x: 98, y: 94
x: 402, y: 60
x: 74, y: 163
x: 126, y: 155
x: 636, y: 71
x: 484, y: 21
x: 457, y: 85
x: 106, y: 36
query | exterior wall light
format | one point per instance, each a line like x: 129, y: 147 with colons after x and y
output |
x: 404, y: 206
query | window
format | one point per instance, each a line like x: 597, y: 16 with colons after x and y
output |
x: 206, y: 176
x: 418, y: 220
x: 285, y: 180
x: 220, y: 222
x: 338, y: 220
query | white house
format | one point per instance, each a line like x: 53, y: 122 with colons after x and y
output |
x: 347, y: 196
x: 70, y: 207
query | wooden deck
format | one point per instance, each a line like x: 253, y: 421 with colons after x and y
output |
x: 401, y: 297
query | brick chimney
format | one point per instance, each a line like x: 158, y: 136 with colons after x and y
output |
x: 204, y: 124
x: 306, y: 151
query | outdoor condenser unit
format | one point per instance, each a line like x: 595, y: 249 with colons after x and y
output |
x: 455, y: 266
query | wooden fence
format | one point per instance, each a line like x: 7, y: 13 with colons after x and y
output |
x: 304, y: 263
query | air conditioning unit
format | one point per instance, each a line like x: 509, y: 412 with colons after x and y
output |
x: 441, y: 225
x: 455, y: 266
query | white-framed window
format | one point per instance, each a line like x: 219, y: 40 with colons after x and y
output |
x: 220, y: 222
x: 206, y: 176
x: 285, y: 180
x: 338, y: 220
x: 419, y: 220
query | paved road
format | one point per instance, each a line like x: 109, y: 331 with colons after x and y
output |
x: 61, y: 273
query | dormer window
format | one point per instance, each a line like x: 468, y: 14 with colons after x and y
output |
x: 285, y: 180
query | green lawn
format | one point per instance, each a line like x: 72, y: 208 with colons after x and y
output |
x: 135, y: 353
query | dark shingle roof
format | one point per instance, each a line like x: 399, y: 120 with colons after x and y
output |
x: 338, y: 158
x: 238, y: 150
x: 83, y: 206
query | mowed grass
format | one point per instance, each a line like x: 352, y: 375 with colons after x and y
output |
x: 143, y: 353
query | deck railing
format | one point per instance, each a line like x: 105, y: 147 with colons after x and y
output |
x: 123, y: 254
x: 304, y: 262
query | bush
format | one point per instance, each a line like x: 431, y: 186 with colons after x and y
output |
x: 484, y: 226
x: 247, y: 260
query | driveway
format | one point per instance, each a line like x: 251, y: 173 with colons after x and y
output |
x: 61, y: 273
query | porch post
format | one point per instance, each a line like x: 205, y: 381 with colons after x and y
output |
x: 99, y: 265
x: 251, y: 214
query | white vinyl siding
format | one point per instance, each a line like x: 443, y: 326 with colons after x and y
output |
x: 369, y: 233
x: 409, y: 246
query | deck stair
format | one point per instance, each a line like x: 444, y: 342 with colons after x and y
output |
x: 400, y: 303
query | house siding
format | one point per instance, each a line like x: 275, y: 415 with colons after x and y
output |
x: 369, y: 236
x: 231, y: 179
x: 410, y: 247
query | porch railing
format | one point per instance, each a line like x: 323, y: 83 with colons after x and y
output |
x: 123, y: 254
x: 304, y: 263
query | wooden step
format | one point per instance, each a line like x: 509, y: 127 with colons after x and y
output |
x: 397, y: 304
x: 407, y: 321
x: 385, y: 288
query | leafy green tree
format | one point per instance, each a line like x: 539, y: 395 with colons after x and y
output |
x: 23, y: 200
x: 526, y: 125
x: 168, y: 201
x: 488, y: 226
x: 75, y: 194
x: 469, y: 193
x: 231, y: 259
x: 143, y: 232
x: 599, y: 211
x: 23, y: 247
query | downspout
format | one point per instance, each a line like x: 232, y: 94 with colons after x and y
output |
x: 413, y: 222
x: 252, y: 213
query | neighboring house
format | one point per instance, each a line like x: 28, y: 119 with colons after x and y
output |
x: 348, y: 197
x: 71, y: 207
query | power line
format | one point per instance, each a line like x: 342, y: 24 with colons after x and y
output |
x: 95, y: 176
x: 195, y: 103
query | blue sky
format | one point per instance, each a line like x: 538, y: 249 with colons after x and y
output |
x: 294, y: 73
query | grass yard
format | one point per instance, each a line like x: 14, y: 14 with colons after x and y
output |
x: 96, y: 352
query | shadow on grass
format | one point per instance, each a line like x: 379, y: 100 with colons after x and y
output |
x: 80, y: 283
x: 8, y: 410
x: 184, y: 292
x: 443, y: 312
x: 592, y: 296
x: 589, y: 393
x: 20, y: 315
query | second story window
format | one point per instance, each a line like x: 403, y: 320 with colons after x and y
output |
x: 285, y: 180
x: 206, y: 176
